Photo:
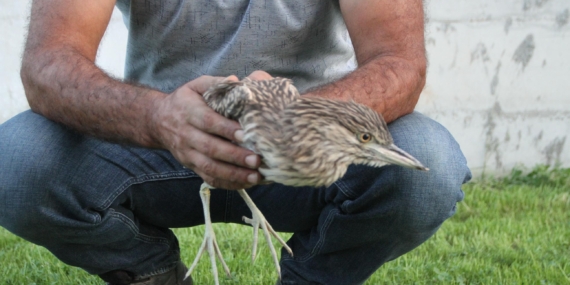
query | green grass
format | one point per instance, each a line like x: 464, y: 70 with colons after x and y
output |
x: 514, y: 230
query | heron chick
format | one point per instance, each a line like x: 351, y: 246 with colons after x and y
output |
x: 303, y: 141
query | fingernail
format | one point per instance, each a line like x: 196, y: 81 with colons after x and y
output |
x: 230, y: 78
x: 238, y: 136
x: 251, y: 160
x: 253, y: 178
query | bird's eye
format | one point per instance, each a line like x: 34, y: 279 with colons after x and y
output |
x: 364, y: 137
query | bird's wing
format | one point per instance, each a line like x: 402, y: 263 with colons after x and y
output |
x: 234, y: 100
x: 273, y: 94
x: 228, y: 98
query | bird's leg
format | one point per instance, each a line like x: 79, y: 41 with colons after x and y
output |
x: 258, y: 220
x: 210, y: 244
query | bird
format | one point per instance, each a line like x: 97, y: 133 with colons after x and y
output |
x: 302, y: 141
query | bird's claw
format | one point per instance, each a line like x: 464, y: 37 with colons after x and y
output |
x: 258, y: 220
x: 210, y: 243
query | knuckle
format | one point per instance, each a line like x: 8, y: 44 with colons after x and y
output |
x: 208, y: 168
x: 214, y: 123
x: 234, y: 155
x: 207, y: 148
x: 234, y: 177
x: 208, y: 121
x: 240, y: 177
x: 188, y: 158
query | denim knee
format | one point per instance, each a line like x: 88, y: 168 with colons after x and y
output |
x: 32, y: 161
x: 417, y: 201
x: 428, y: 198
x: 67, y: 192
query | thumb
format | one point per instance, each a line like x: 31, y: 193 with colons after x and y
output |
x: 201, y: 84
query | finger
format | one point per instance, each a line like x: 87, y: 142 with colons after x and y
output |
x: 201, y: 84
x: 222, y: 184
x: 231, y: 78
x: 217, y: 173
x: 260, y: 75
x: 206, y: 119
x: 223, y: 150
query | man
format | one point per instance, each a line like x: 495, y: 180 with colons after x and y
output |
x: 102, y: 168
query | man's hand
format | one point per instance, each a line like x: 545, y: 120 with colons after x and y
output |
x: 63, y: 84
x: 200, y: 138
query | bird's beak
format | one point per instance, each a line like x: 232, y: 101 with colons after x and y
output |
x: 394, y: 155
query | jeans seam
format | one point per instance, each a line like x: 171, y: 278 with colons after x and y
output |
x: 345, y: 189
x: 142, y: 179
x: 321, y: 241
x: 125, y: 220
x: 146, y: 239
x: 134, y: 229
x: 151, y: 239
x: 156, y: 272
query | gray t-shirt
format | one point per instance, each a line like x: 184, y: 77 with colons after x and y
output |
x: 172, y: 42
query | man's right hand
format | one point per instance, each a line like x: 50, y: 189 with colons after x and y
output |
x: 200, y: 138
x: 63, y: 83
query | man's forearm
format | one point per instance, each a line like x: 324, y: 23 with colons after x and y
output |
x: 66, y: 87
x: 389, y: 85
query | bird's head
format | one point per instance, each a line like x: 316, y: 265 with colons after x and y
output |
x: 350, y: 133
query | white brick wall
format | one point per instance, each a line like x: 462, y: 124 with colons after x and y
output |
x: 12, y: 24
x: 498, y: 79
x: 498, y: 76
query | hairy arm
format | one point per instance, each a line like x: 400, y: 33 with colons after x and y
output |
x: 388, y: 38
x: 63, y: 84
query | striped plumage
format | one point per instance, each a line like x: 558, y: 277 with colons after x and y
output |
x: 304, y: 141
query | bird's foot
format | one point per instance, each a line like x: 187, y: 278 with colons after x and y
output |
x: 258, y: 220
x: 210, y: 244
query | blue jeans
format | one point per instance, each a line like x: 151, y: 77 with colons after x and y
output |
x: 103, y: 206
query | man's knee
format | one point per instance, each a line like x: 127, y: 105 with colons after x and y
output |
x: 429, y: 197
x: 31, y: 149
x: 28, y: 166
x: 31, y: 144
x: 419, y: 200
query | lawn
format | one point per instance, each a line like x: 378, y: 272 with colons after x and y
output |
x: 514, y: 230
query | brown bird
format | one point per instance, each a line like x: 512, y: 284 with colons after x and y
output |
x: 303, y: 141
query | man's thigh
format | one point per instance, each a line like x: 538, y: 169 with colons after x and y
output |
x: 46, y: 163
x: 48, y: 168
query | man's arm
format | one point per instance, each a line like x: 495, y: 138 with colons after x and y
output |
x: 62, y: 83
x: 388, y: 38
